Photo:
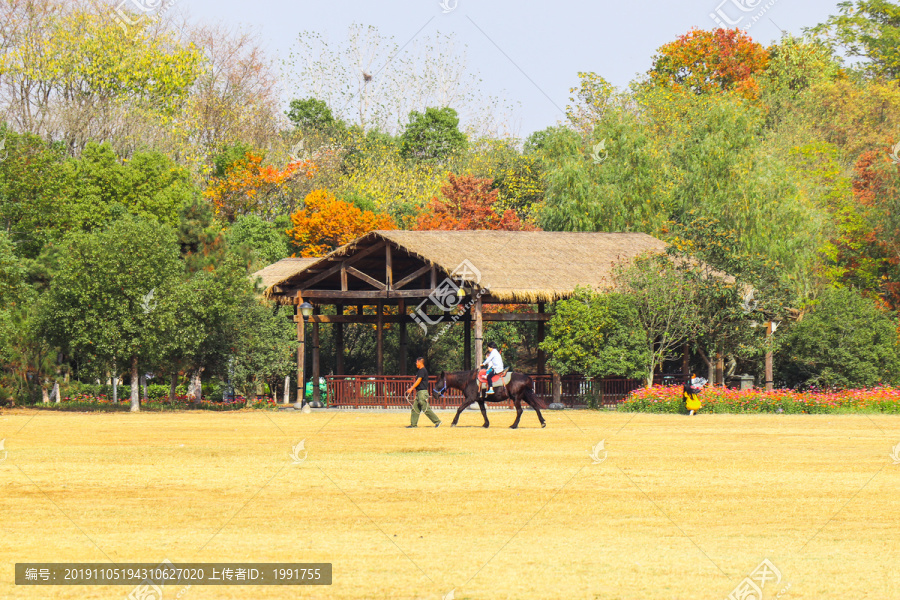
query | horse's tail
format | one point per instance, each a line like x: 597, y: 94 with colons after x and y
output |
x: 534, y: 398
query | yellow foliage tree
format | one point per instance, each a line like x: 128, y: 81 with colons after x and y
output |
x: 327, y: 223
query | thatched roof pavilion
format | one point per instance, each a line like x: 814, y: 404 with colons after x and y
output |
x: 281, y: 270
x: 516, y: 266
x: 439, y: 271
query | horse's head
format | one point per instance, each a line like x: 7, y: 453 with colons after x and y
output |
x: 440, y: 386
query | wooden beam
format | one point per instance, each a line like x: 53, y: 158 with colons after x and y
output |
x: 333, y: 296
x: 379, y: 340
x: 541, y: 356
x: 404, y: 318
x: 344, y: 263
x: 388, y: 267
x: 467, y: 341
x: 404, y: 349
x: 301, y: 352
x: 315, y: 361
x: 370, y: 280
x: 479, y: 333
x: 339, y: 343
x: 412, y: 277
x: 344, y: 277
x: 433, y: 277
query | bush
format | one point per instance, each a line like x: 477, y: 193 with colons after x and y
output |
x: 846, y: 341
x: 668, y: 399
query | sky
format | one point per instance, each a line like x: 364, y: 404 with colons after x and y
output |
x: 524, y: 51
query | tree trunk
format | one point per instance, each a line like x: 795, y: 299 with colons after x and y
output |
x: 144, y: 394
x: 720, y: 366
x: 710, y: 368
x: 55, y: 392
x: 173, y: 383
x: 287, y: 389
x: 135, y: 386
x: 115, y: 384
x: 195, y: 392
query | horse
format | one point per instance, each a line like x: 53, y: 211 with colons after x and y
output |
x: 519, y: 389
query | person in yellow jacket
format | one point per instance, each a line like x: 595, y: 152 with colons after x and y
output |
x: 690, y: 395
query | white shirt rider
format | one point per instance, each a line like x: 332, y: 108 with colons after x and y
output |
x: 494, y: 363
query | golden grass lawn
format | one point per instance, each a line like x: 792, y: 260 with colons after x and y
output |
x: 680, y: 508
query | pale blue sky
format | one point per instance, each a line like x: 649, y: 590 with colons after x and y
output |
x: 526, y: 51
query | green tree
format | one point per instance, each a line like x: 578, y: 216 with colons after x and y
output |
x: 104, y: 305
x: 99, y: 187
x: 596, y: 335
x: 844, y: 341
x: 433, y: 135
x: 31, y: 189
x: 868, y: 29
x: 312, y: 114
x: 261, y: 241
x: 664, y: 301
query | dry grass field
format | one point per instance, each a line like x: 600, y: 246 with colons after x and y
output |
x: 678, y: 507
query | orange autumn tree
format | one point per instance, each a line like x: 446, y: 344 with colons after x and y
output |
x: 326, y: 223
x: 711, y: 61
x: 468, y: 203
x: 248, y: 186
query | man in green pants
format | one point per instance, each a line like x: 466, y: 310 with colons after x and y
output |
x: 421, y: 402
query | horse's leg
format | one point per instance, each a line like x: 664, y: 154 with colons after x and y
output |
x: 466, y: 404
x: 518, y: 412
x: 483, y: 413
x: 534, y: 405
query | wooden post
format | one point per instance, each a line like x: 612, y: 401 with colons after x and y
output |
x: 479, y: 332
x: 301, y: 352
x: 317, y: 396
x: 388, y: 267
x: 467, y: 340
x: 379, y: 340
x: 404, y: 349
x: 541, y: 332
x: 339, y: 343
x: 557, y: 388
x: 770, y: 384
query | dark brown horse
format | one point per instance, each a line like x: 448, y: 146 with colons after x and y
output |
x: 519, y: 389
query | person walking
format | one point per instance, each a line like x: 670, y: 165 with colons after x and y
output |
x: 420, y: 404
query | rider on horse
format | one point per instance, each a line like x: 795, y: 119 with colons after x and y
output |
x: 494, y: 363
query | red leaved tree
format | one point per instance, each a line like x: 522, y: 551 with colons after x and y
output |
x: 709, y: 61
x: 468, y: 203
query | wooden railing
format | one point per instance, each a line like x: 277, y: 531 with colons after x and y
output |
x: 389, y: 391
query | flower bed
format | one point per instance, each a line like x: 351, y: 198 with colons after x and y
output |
x: 667, y: 399
x: 103, y: 402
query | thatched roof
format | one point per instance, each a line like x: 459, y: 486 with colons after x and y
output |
x: 281, y: 270
x: 516, y: 266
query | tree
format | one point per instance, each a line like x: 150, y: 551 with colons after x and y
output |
x: 312, y: 114
x: 596, y: 335
x: 260, y: 240
x: 468, y: 203
x: 664, y: 302
x: 844, y: 341
x: 73, y: 73
x: 250, y: 187
x: 373, y: 82
x: 868, y: 29
x: 104, y: 305
x: 432, y: 136
x: 326, y: 223
x: 100, y: 186
x: 31, y: 192
x: 700, y: 61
